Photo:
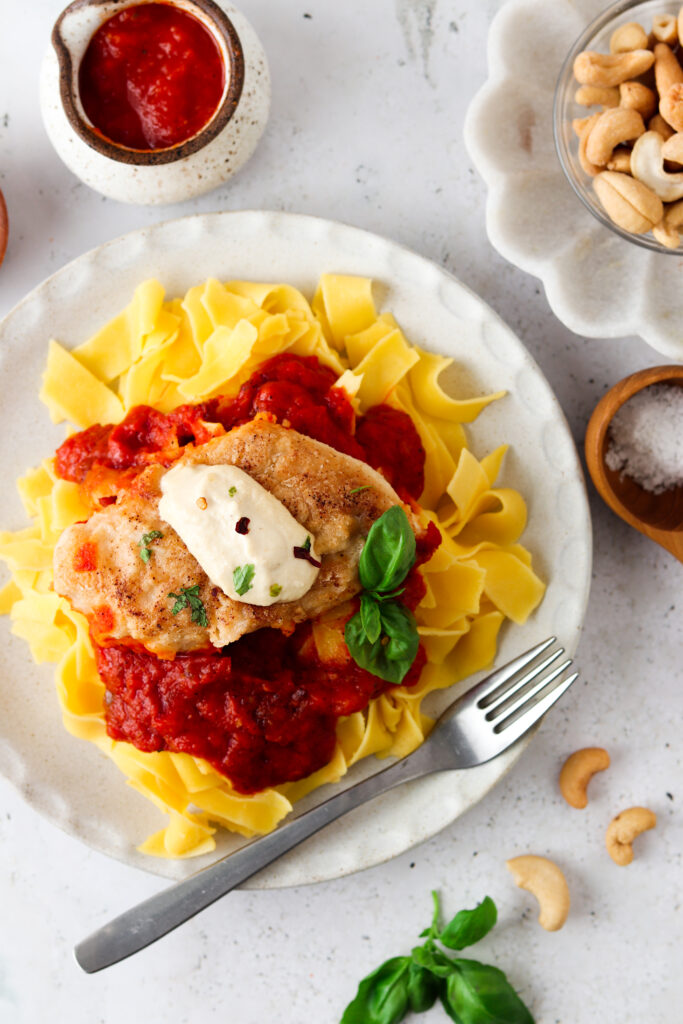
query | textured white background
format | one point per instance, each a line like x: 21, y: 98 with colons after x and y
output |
x: 366, y: 127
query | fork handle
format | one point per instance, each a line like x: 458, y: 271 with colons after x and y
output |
x: 160, y: 914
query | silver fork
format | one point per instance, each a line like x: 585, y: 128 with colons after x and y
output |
x: 481, y: 724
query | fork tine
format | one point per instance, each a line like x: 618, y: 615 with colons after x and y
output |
x: 517, y: 696
x: 522, y: 724
x: 487, y: 686
x: 497, y: 700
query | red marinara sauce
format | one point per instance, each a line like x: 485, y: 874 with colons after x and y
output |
x: 263, y: 710
x: 151, y: 77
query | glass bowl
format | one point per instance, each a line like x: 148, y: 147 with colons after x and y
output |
x: 596, y: 37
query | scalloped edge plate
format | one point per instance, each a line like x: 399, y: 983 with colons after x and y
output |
x: 69, y: 781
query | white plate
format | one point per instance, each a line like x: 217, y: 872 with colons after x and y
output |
x: 598, y: 284
x: 68, y: 780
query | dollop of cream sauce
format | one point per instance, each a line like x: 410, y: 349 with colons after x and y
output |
x: 239, y: 532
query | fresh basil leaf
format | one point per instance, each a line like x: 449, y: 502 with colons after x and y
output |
x: 479, y: 994
x: 423, y: 988
x: 242, y: 577
x: 433, y: 960
x: 382, y: 997
x: 391, y: 656
x: 389, y: 551
x: 469, y: 926
x: 370, y: 617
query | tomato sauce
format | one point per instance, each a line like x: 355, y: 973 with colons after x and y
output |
x: 263, y: 710
x: 151, y: 77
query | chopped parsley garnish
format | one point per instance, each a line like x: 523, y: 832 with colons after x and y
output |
x: 357, y: 490
x: 242, y: 577
x: 275, y: 589
x: 232, y: 491
x: 189, y: 598
x: 147, y: 539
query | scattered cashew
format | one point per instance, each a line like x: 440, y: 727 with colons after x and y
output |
x: 620, y: 160
x: 597, y: 96
x: 628, y: 37
x: 612, y: 127
x: 665, y: 29
x: 578, y: 770
x: 544, y: 880
x: 623, y: 829
x: 592, y: 68
x: 671, y: 106
x: 658, y: 124
x: 647, y: 165
x: 673, y: 148
x: 668, y: 71
x: 629, y: 203
x: 636, y: 96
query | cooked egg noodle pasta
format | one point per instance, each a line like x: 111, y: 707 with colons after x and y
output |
x: 165, y: 353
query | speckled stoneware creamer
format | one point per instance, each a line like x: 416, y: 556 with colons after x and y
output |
x: 179, y: 172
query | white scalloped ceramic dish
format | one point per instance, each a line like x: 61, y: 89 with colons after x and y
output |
x: 69, y: 781
x: 598, y: 284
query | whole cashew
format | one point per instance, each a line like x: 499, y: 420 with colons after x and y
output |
x: 666, y: 231
x: 668, y: 71
x: 636, y: 96
x: 673, y: 148
x: 583, y: 128
x: 628, y: 37
x: 671, y: 106
x: 544, y: 880
x: 658, y: 124
x: 620, y: 160
x: 647, y: 165
x: 592, y: 68
x: 578, y: 770
x: 597, y: 96
x: 629, y: 203
x: 612, y: 127
x: 623, y: 829
x: 665, y: 29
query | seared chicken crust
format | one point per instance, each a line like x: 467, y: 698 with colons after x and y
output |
x: 126, y: 598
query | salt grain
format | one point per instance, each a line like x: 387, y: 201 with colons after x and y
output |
x: 645, y: 440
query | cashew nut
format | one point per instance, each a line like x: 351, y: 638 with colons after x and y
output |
x: 592, y: 68
x: 582, y: 127
x: 671, y: 106
x: 647, y: 165
x: 628, y: 37
x: 612, y: 127
x: 629, y: 203
x: 620, y: 160
x: 658, y: 124
x: 623, y: 829
x: 665, y: 29
x: 666, y: 231
x: 578, y: 770
x: 636, y: 96
x: 673, y: 148
x: 597, y: 96
x: 668, y: 71
x: 544, y: 880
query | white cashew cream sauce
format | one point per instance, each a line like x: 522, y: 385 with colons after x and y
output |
x: 204, y: 504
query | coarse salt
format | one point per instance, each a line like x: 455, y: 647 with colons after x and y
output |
x: 645, y: 440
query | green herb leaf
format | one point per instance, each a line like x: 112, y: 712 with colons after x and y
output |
x: 432, y: 960
x: 242, y: 577
x: 390, y: 656
x: 382, y: 997
x: 370, y: 617
x: 469, y: 926
x: 479, y: 994
x: 147, y: 539
x: 275, y: 589
x: 357, y: 490
x: 423, y: 988
x: 433, y: 930
x: 232, y: 491
x: 189, y: 598
x: 389, y: 552
x: 306, y: 546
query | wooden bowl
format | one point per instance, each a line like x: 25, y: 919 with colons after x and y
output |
x: 658, y: 516
x: 4, y: 227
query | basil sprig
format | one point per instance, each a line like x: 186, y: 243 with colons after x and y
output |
x: 382, y: 636
x: 470, y: 992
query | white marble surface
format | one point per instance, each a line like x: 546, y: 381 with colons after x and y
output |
x: 366, y: 127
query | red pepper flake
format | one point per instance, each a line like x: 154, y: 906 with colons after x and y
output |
x: 305, y: 552
x: 242, y: 525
